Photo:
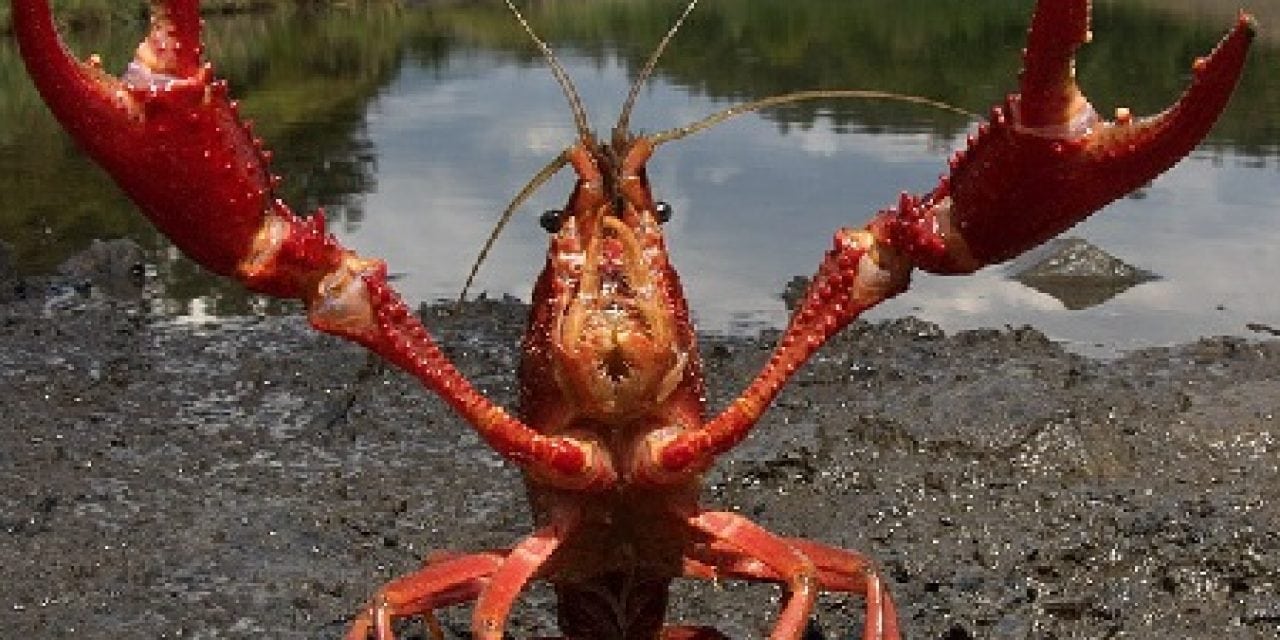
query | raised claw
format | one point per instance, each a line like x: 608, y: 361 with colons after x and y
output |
x: 1046, y: 160
x: 169, y: 135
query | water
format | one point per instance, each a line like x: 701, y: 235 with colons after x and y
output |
x: 415, y: 129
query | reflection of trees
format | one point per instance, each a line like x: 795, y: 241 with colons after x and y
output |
x: 305, y: 78
x: 964, y: 53
x: 1146, y: 61
x: 54, y: 201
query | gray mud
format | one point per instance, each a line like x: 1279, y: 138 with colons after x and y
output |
x: 249, y: 478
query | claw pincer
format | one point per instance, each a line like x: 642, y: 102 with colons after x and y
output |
x: 1043, y: 162
x: 170, y: 136
x: 1046, y: 160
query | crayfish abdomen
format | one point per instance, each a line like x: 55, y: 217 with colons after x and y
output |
x: 612, y: 570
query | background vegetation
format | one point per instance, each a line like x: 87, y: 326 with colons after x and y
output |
x: 101, y: 12
x: 307, y: 70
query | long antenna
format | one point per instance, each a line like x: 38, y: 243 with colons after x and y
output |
x: 538, y: 180
x: 570, y: 92
x: 799, y: 96
x: 584, y: 133
x: 624, y: 118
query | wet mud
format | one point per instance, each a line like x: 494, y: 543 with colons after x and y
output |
x: 249, y: 478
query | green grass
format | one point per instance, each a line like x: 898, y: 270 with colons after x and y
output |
x: 84, y: 13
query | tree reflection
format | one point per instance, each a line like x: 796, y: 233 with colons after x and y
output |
x: 308, y: 78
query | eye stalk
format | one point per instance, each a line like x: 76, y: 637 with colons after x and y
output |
x: 663, y: 211
x: 551, y: 220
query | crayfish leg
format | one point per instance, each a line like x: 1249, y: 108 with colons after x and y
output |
x: 675, y: 633
x: 835, y: 571
x: 844, y: 571
x: 441, y: 583
x: 692, y: 633
x: 775, y: 559
x: 489, y: 620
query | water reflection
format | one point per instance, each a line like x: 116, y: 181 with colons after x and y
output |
x: 415, y: 129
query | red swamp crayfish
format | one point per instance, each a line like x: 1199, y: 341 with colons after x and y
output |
x: 611, y: 433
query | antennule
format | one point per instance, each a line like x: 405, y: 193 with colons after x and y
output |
x: 624, y: 118
x: 537, y: 181
x: 570, y: 92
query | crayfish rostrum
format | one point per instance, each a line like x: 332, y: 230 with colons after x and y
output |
x: 611, y: 433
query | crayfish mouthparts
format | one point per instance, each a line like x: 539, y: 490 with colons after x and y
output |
x: 614, y: 336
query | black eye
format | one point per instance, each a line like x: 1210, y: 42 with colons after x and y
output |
x: 663, y: 211
x: 550, y: 220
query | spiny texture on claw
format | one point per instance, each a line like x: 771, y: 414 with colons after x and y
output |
x: 1046, y: 160
x: 1042, y: 163
x: 169, y: 135
x: 1048, y: 87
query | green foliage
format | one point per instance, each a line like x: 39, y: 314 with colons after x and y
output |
x: 98, y: 13
x: 292, y: 69
x: 963, y: 53
x: 87, y: 12
x: 306, y: 75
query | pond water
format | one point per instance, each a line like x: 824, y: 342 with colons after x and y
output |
x: 415, y: 128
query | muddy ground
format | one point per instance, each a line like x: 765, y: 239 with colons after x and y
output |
x: 248, y: 478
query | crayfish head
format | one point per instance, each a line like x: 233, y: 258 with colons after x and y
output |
x: 609, y: 341
x: 616, y: 322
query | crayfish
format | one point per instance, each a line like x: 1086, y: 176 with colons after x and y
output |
x: 611, y: 433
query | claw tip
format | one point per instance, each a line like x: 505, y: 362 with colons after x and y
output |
x: 1248, y: 23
